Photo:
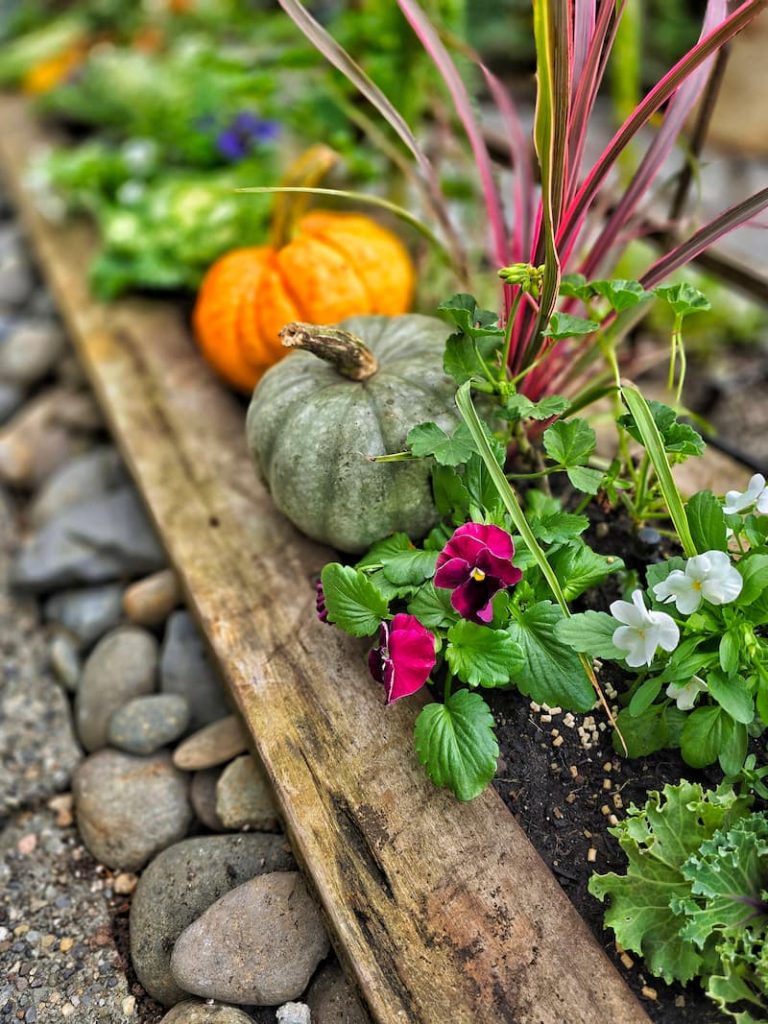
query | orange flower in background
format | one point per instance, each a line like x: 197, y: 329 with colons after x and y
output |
x: 49, y: 73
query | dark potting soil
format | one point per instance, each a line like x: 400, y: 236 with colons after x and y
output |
x: 563, y: 794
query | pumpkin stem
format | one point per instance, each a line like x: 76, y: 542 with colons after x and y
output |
x: 289, y: 207
x: 349, y: 355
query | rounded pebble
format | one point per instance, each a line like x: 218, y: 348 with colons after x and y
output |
x: 145, y: 724
x: 333, y: 1000
x: 258, y: 945
x: 185, y: 668
x: 129, y: 808
x: 193, y: 1012
x: 202, y: 793
x: 65, y: 660
x: 150, y: 601
x: 122, y: 666
x: 244, y: 797
x: 214, y: 744
x: 181, y: 883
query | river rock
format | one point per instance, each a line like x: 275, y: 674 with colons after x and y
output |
x: 186, y: 669
x: 294, y: 1013
x: 30, y: 352
x: 333, y: 1000
x: 129, y: 808
x: 146, y: 724
x: 83, y: 478
x: 244, y: 797
x: 65, y: 660
x: 193, y: 1012
x: 88, y: 613
x: 202, y: 793
x: 16, y: 280
x: 214, y: 744
x: 150, y: 601
x: 11, y: 399
x: 93, y: 542
x: 36, y: 441
x: 122, y: 666
x: 259, y: 944
x: 179, y: 885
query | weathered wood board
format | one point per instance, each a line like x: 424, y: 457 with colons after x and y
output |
x: 442, y: 911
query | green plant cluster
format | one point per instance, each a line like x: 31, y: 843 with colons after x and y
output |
x: 694, y: 900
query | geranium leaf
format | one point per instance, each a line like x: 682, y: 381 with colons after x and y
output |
x: 481, y: 656
x: 551, y: 673
x: 570, y: 442
x: 430, y: 439
x: 683, y: 298
x: 621, y: 294
x: 574, y: 286
x: 462, y: 310
x: 456, y: 743
x: 585, y: 479
x: 353, y: 602
x: 563, y: 325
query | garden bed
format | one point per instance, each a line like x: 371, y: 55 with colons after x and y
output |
x: 441, y: 910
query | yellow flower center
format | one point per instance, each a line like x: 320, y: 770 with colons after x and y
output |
x: 478, y: 574
x: 696, y: 585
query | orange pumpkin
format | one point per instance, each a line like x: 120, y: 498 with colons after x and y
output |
x: 336, y: 265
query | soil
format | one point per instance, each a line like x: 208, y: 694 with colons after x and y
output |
x: 564, y: 795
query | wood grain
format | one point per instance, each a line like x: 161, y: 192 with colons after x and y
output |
x: 442, y: 911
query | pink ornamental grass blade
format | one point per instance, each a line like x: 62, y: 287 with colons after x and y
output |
x: 588, y: 84
x: 343, y: 62
x: 523, y: 188
x: 661, y: 92
x: 584, y: 15
x: 734, y: 217
x: 677, y: 113
x: 429, y: 39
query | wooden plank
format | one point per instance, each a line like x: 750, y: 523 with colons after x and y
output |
x: 442, y: 911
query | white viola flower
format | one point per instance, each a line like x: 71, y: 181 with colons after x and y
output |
x: 756, y: 494
x: 710, y: 577
x: 685, y: 694
x: 643, y: 631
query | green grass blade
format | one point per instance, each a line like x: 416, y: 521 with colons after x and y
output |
x: 654, y: 445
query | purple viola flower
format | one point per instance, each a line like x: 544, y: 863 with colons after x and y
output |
x: 322, y: 611
x: 404, y: 658
x: 243, y: 133
x: 475, y: 564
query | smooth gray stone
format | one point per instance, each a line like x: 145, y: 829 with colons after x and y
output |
x: 179, y: 885
x: 83, y: 478
x: 186, y: 669
x: 11, y: 399
x: 16, y: 280
x: 88, y: 613
x: 144, y: 725
x: 65, y: 660
x: 130, y: 808
x: 333, y: 1000
x: 122, y: 666
x: 95, y: 542
x: 193, y: 1012
x: 30, y: 352
x: 258, y: 945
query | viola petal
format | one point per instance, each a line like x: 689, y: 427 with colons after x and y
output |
x: 452, y: 573
x: 412, y: 656
x: 461, y: 546
x: 473, y: 596
x: 506, y: 573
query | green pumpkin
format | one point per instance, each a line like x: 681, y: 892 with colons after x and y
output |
x: 312, y: 427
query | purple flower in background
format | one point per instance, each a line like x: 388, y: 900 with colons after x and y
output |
x: 475, y: 564
x: 322, y: 611
x: 243, y: 133
x: 404, y: 658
